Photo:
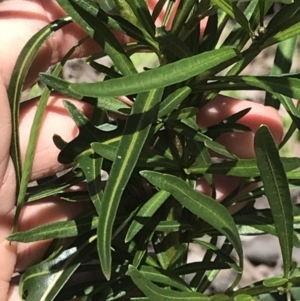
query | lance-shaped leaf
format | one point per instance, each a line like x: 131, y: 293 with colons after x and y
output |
x: 240, y: 168
x: 61, y: 229
x: 137, y: 12
x: 22, y: 66
x: 45, y: 280
x: 274, y: 1
x: 154, y: 292
x: 112, y: 18
x: 172, y: 226
x: 17, y: 80
x: 282, y: 64
x: 85, y: 14
x: 163, y: 277
x: 88, y: 133
x: 235, y: 12
x: 226, y: 6
x: 193, y: 267
x: 199, y: 204
x: 152, y: 79
x: 173, y: 100
x: 156, y: 162
x: 91, y: 163
x: 53, y: 187
x: 285, y: 84
x: 255, y: 225
x: 146, y: 211
x: 136, y: 131
x: 288, y: 29
x: 282, y: 16
x: 172, y: 43
x: 223, y: 256
x: 277, y: 191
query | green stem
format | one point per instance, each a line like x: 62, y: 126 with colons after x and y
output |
x: 255, y: 290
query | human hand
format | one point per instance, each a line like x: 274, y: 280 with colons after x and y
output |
x: 19, y: 20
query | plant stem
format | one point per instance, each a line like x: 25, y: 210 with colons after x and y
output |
x: 255, y: 290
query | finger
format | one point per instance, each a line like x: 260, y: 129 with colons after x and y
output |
x: 56, y: 121
x: 240, y: 143
x: 13, y: 294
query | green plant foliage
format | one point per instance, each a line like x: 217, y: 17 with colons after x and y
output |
x: 277, y: 191
x: 135, y: 165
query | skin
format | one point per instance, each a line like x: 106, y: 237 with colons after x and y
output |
x: 19, y: 21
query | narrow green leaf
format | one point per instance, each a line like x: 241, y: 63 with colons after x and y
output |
x: 272, y: 1
x: 112, y: 104
x: 109, y: 152
x: 226, y: 6
x: 237, y: 37
x: 59, y: 85
x: 45, y: 280
x: 275, y: 281
x: 108, y: 6
x: 172, y: 43
x: 146, y: 211
x: 196, y: 281
x: 53, y: 187
x: 88, y: 133
x: 18, y: 76
x: 14, y: 92
x: 157, y: 293
x: 289, y: 105
x: 152, y: 79
x: 189, y: 128
x: 283, y: 84
x: 199, y: 204
x: 91, y: 163
x: 223, y: 256
x: 184, y: 10
x: 282, y: 16
x: 62, y: 229
x: 144, y: 112
x: 282, y: 64
x: 244, y: 297
x: 172, y: 226
x: 171, y: 102
x: 163, y: 277
x: 242, y: 20
x: 115, y: 21
x: 184, y: 113
x: 219, y: 149
x: 288, y: 29
x: 194, y: 267
x: 256, y: 225
x: 240, y: 168
x: 277, y: 191
x: 85, y: 14
x: 137, y: 12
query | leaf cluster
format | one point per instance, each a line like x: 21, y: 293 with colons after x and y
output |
x: 135, y: 239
